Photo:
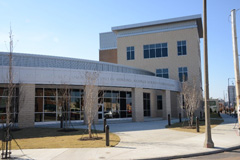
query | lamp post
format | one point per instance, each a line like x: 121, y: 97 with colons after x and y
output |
x: 208, y: 143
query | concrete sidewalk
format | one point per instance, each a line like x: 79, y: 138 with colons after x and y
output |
x: 146, y: 140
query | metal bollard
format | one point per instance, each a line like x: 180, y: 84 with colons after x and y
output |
x: 107, y: 135
x: 180, y: 118
x: 169, y: 120
x: 197, y: 124
x: 104, y: 124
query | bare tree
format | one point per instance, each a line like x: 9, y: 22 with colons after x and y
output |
x: 91, y: 99
x: 191, y: 99
x: 64, y: 105
x: 9, y: 106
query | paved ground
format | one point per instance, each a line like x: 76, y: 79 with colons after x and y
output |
x: 145, y: 140
x: 227, y: 155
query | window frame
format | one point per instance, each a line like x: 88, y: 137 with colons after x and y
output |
x: 183, y: 71
x: 182, y: 47
x: 162, y: 72
x: 130, y: 53
x: 155, y: 50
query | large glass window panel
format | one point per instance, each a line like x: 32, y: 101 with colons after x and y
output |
x: 164, y: 52
x: 49, y: 92
x: 49, y: 117
x: 128, y: 95
x: 38, y: 117
x: 39, y: 92
x: 152, y: 53
x: 39, y: 104
x: 129, y: 107
x: 128, y: 55
x: 107, y: 104
x: 100, y: 93
x: 75, y: 93
x: 75, y: 116
x: 146, y: 53
x: 82, y: 116
x: 3, y: 92
x: 132, y: 55
x: 107, y: 94
x: 123, y: 94
x: 123, y: 104
x: 123, y: 114
x: 115, y: 94
x: 159, y: 102
x: 75, y: 104
x: 3, y: 103
x: 158, y: 52
x: 49, y: 104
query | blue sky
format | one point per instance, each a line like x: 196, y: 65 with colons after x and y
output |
x: 71, y: 28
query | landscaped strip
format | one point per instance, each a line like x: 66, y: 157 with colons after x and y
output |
x: 38, y: 138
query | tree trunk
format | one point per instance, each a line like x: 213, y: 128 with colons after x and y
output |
x: 90, y: 130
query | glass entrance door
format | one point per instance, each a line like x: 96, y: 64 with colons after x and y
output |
x: 100, y: 111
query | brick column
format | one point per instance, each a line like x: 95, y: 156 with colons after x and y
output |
x: 167, y: 102
x: 26, y: 105
x: 137, y: 105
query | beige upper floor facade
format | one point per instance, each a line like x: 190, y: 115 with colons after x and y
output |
x: 134, y: 42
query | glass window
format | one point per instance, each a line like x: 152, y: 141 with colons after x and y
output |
x: 155, y: 50
x: 162, y: 73
x: 39, y: 104
x: 75, y: 92
x: 183, y: 74
x: 159, y: 102
x: 146, y: 104
x: 182, y: 47
x: 49, y: 104
x: 3, y: 92
x: 39, y: 92
x: 130, y: 53
x: 49, y: 92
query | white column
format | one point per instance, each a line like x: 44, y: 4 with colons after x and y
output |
x: 137, y: 105
x: 26, y: 105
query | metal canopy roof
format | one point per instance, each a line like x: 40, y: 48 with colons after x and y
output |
x: 197, y: 18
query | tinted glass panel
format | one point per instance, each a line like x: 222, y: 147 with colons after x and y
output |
x: 164, y: 52
x: 49, y: 104
x: 158, y: 53
x: 146, y: 53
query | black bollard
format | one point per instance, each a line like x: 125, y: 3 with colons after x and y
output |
x: 197, y: 124
x: 107, y: 135
x: 104, y: 124
x: 169, y: 120
x: 180, y: 118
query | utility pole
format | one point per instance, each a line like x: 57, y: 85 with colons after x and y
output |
x: 208, y: 143
x: 236, y: 62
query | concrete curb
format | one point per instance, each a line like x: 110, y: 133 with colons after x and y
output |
x: 195, y: 154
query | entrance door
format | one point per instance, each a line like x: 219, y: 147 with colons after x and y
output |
x: 100, y: 111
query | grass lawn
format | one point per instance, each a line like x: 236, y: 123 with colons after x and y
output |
x: 215, y: 120
x: 36, y: 138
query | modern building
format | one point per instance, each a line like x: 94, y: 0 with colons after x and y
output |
x: 147, y: 63
x: 169, y: 48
